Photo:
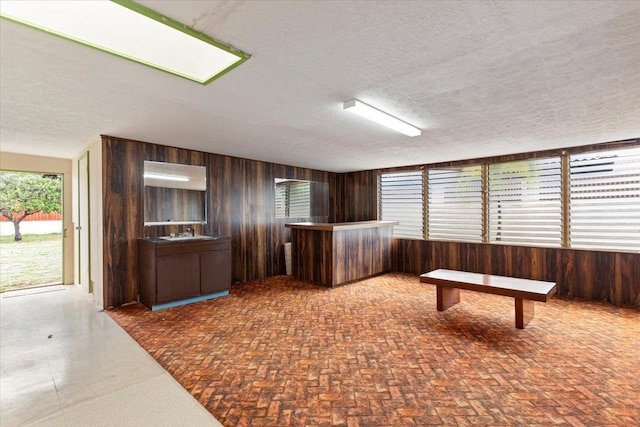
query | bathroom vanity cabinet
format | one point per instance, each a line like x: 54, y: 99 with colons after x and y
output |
x: 180, y: 271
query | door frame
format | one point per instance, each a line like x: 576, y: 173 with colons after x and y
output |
x: 63, y: 233
x: 82, y: 224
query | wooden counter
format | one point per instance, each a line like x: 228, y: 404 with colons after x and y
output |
x: 332, y: 254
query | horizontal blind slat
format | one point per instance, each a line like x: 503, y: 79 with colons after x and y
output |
x: 455, y: 203
x: 525, y: 202
x: 400, y: 199
x: 604, y: 202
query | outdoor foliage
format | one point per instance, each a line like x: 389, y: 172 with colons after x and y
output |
x: 23, y: 194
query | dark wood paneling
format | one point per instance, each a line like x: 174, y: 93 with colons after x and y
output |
x: 123, y: 214
x: 319, y: 200
x: 354, y: 196
x: 594, y: 275
x: 240, y: 204
x: 163, y: 153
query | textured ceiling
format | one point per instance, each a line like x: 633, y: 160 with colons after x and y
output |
x: 480, y: 79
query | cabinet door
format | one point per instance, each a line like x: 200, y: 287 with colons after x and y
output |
x: 178, y: 277
x: 215, y: 271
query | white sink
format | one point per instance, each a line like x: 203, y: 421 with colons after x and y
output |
x: 178, y: 238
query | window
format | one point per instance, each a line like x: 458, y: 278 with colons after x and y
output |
x: 525, y: 202
x: 455, y: 204
x: 595, y: 195
x: 604, y: 208
x: 400, y: 199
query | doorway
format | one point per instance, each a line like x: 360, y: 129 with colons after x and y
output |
x: 31, y: 230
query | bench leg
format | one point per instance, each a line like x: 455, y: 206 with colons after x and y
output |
x: 447, y: 297
x: 524, y: 312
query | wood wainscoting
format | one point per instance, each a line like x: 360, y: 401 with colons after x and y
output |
x: 593, y: 275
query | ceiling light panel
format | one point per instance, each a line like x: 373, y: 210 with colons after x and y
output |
x: 132, y: 31
x: 380, y: 117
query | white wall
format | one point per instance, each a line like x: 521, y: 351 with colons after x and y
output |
x: 95, y: 216
x: 27, y: 163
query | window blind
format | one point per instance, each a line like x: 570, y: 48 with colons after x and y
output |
x: 604, y: 208
x: 400, y: 199
x: 299, y: 199
x: 455, y: 204
x: 281, y: 200
x: 525, y: 202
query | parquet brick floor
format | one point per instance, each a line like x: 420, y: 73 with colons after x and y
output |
x: 279, y: 352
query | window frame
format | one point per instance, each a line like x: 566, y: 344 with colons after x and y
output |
x: 525, y: 185
x: 604, y: 178
x: 485, y: 164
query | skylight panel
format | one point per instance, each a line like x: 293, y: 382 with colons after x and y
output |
x: 132, y: 31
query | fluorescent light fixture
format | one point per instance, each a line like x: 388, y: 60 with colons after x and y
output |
x: 131, y: 31
x: 166, y: 177
x: 380, y: 117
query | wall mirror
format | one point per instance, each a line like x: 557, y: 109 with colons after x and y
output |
x: 174, y: 193
x: 301, y: 199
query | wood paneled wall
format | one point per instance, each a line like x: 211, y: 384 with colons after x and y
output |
x: 593, y: 275
x: 240, y: 204
x: 354, y: 196
x: 319, y: 200
x: 123, y: 218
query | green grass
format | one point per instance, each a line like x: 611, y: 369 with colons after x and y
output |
x: 36, y: 260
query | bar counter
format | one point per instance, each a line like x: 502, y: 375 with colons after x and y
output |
x: 333, y: 254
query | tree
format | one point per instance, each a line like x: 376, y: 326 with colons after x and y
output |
x: 23, y: 194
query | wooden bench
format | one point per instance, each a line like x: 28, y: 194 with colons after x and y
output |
x: 526, y: 292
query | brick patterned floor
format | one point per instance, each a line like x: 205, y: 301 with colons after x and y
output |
x: 278, y: 352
